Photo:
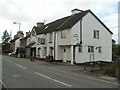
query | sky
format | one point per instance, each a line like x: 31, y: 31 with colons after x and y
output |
x: 29, y: 12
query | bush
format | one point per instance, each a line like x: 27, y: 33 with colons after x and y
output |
x: 49, y: 58
x: 110, y: 69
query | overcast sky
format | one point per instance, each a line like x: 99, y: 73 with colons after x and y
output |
x: 29, y: 12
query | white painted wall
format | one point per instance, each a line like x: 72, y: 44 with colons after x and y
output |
x: 27, y: 41
x: 47, y: 44
x: 17, y: 44
x: 64, y: 41
x: 89, y: 24
x: 75, y: 30
x: 38, y: 45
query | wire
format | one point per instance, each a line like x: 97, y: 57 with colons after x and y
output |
x: 115, y: 27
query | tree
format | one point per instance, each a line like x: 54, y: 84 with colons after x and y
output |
x: 113, y: 42
x: 5, y: 37
x: 116, y: 52
x: 5, y: 41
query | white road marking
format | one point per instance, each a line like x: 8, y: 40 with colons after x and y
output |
x: 3, y: 83
x: 78, y: 75
x: 8, y: 61
x: 16, y: 75
x: 96, y: 79
x: 53, y: 79
x: 86, y: 76
x: 21, y: 66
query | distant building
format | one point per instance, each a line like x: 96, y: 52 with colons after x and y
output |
x: 15, y: 43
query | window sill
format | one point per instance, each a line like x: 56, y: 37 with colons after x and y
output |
x: 90, y: 52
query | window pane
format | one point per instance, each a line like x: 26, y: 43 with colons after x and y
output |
x: 91, y: 49
x: 99, y: 49
x: 79, y: 48
x: 96, y: 34
x: 88, y: 48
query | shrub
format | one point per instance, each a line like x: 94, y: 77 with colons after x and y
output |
x: 110, y: 69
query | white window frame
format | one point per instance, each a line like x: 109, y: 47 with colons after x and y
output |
x: 90, y: 49
x: 42, y: 41
x: 38, y: 40
x: 96, y: 34
x: 100, y: 49
x: 63, y: 34
x: 51, y: 51
x: 80, y: 49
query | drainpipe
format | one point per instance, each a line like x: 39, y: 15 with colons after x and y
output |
x: 54, y: 44
x: 81, y: 31
x: 80, y: 40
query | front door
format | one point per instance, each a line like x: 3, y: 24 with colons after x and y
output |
x: 64, y: 55
x: 91, y: 57
x: 33, y: 52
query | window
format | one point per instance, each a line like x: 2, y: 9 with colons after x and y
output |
x: 91, y: 49
x: 50, y: 37
x: 38, y: 40
x: 99, y: 49
x: 63, y: 34
x: 75, y: 36
x: 64, y: 50
x: 39, y: 51
x: 42, y: 41
x: 79, y: 48
x: 96, y: 34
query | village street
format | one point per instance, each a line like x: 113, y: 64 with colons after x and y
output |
x: 25, y: 74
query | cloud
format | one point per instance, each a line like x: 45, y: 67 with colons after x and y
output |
x: 111, y: 22
x: 28, y: 12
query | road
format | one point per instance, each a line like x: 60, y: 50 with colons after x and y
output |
x: 25, y: 74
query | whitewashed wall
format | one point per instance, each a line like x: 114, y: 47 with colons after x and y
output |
x: 17, y: 44
x: 89, y: 24
x: 64, y: 41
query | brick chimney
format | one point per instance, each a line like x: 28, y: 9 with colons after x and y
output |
x: 39, y: 24
x: 75, y: 11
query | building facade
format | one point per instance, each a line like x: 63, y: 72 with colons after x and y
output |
x: 78, y: 38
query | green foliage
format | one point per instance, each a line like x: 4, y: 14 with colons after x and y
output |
x: 49, y: 58
x: 110, y: 69
x: 5, y: 42
x: 113, y: 42
x: 5, y: 37
x: 115, y: 52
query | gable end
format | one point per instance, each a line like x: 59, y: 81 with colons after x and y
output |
x: 100, y: 22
